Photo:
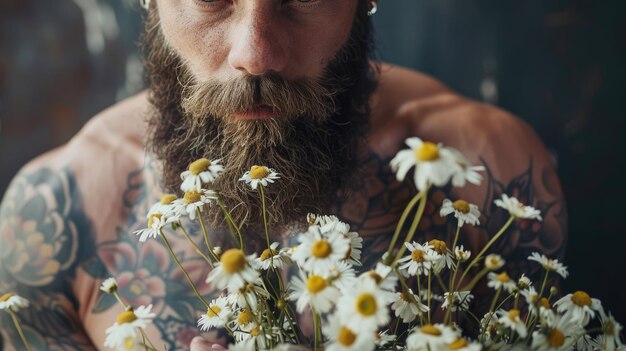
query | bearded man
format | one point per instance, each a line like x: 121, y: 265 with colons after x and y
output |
x: 282, y: 83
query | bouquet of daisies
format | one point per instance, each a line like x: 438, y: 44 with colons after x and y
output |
x: 411, y: 299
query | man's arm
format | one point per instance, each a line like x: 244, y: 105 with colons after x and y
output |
x: 45, y: 236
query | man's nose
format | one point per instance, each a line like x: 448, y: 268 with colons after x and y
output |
x: 258, y: 45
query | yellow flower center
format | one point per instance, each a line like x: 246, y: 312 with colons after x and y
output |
x: 233, y: 261
x: 458, y: 344
x: 259, y: 172
x: 315, y: 284
x: 461, y: 206
x: 199, y: 166
x: 245, y: 318
x: 321, y: 249
x: 256, y: 331
x: 192, y: 196
x: 167, y: 199
x: 377, y: 278
x: 366, y: 304
x: 418, y: 256
x: 427, y: 152
x: 513, y: 315
x: 556, y: 338
x: 213, y: 311
x: 152, y: 217
x: 430, y: 330
x: 405, y: 296
x: 543, y: 302
x: 267, y: 253
x: 129, y: 343
x: 346, y: 337
x: 126, y: 317
x: 439, y: 246
x: 581, y: 298
x: 5, y: 297
x: 503, y: 277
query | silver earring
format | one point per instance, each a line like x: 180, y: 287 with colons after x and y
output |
x: 145, y: 4
x: 373, y: 8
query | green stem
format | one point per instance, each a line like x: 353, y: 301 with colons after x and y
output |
x: 195, y: 246
x: 119, y: 299
x: 193, y: 286
x: 543, y: 284
x: 318, y: 330
x: 482, y: 252
x: 231, y: 223
x: 495, y: 299
x: 428, y: 295
x: 475, y: 279
x: 413, y: 228
x: 396, y: 233
x: 146, y: 338
x: 19, y: 329
x: 206, y: 236
x: 267, y: 233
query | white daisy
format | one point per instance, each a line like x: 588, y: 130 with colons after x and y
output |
x: 248, y: 295
x: 457, y: 299
x: 502, y: 280
x: 557, y: 334
x: 343, y: 276
x: 216, y: 316
x: 512, y: 320
x: 494, y: 262
x: 420, y: 260
x: 156, y: 221
x: 382, y: 339
x: 259, y: 174
x: 318, y: 253
x: 611, y: 332
x: 549, y: 264
x: 517, y: 209
x: 534, y: 301
x: 122, y: 335
x: 408, y: 306
x: 463, y: 211
x: 315, y: 291
x: 331, y: 225
x: 578, y: 306
x: 272, y: 257
x: 10, y: 301
x: 462, y: 344
x: 233, y: 271
x: 109, y: 285
x: 364, y: 307
x: 523, y: 282
x: 464, y: 171
x: 343, y: 338
x: 431, y: 337
x: 192, y: 201
x: 434, y: 163
x: 246, y: 322
x: 445, y: 259
x: 199, y: 172
x: 385, y: 277
x: 461, y: 254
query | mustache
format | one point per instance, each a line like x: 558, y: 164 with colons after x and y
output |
x: 287, y: 98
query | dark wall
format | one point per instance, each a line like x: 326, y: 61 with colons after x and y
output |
x: 558, y: 64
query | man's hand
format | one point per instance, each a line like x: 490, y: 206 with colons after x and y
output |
x: 201, y: 344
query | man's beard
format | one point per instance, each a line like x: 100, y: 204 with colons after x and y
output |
x: 312, y: 141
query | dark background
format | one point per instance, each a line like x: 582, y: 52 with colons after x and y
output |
x: 560, y: 65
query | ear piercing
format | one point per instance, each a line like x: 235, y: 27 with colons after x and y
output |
x: 370, y: 12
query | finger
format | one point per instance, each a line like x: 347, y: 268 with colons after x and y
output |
x: 218, y: 347
x: 200, y: 344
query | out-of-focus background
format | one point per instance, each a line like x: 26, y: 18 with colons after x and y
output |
x: 558, y: 64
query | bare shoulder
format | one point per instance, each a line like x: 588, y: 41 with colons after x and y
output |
x: 49, y: 219
x: 516, y: 161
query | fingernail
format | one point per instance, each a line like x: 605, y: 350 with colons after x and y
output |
x: 217, y: 347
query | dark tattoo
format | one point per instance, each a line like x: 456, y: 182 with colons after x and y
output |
x: 45, y: 238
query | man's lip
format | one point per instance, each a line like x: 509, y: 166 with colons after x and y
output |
x: 259, y: 112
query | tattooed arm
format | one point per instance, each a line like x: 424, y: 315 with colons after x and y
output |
x: 45, y: 237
